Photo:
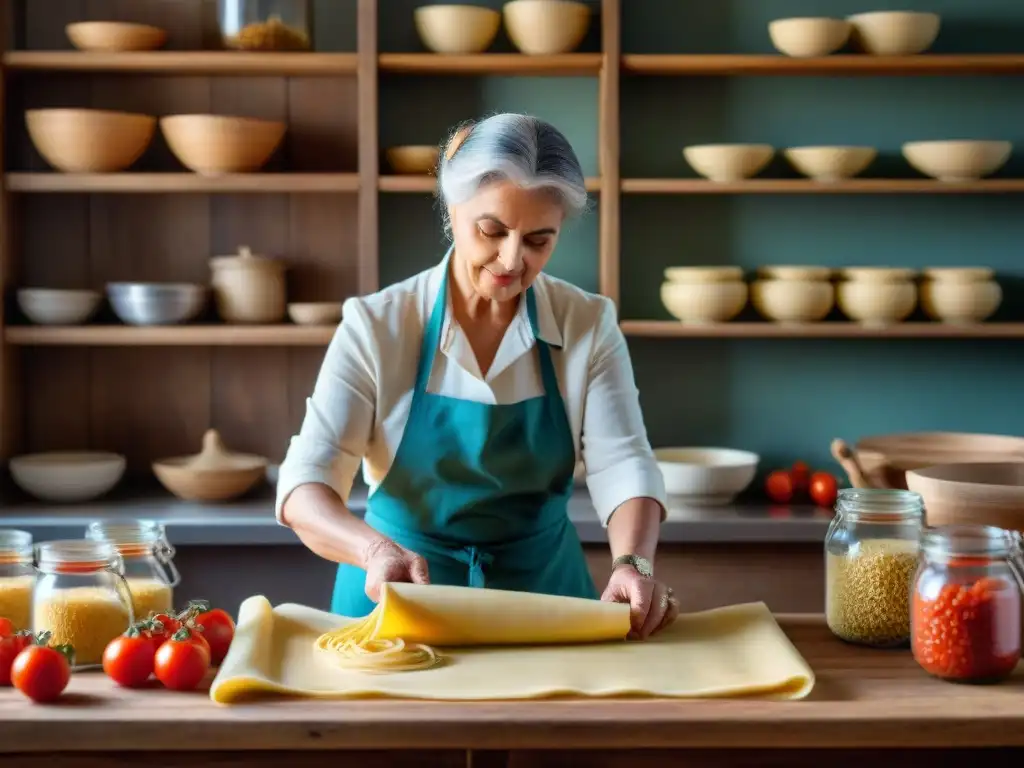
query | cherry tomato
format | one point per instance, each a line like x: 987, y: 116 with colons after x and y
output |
x: 219, y: 630
x: 10, y: 646
x: 801, y: 475
x: 128, y: 659
x: 160, y: 628
x: 824, y: 489
x: 196, y: 637
x: 181, y: 664
x: 779, y: 486
x: 41, y: 672
x: 6, y: 627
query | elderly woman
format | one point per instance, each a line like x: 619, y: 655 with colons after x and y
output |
x: 469, y: 392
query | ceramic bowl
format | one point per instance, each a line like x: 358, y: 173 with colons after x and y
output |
x: 414, y: 158
x: 67, y: 476
x: 793, y: 301
x: 894, y: 33
x: 546, y: 27
x: 52, y: 306
x: 214, y: 474
x: 456, y: 29
x: 212, y: 145
x: 115, y: 36
x: 830, y: 163
x: 876, y: 303
x: 960, y: 296
x: 972, y: 494
x: 705, y: 476
x: 809, y: 36
x: 698, y: 295
x: 315, y: 313
x: 89, y: 140
x: 728, y: 162
x: 957, y: 160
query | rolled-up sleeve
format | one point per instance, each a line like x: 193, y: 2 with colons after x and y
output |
x: 618, y: 457
x: 339, y: 416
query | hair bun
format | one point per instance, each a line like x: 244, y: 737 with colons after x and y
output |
x: 457, y: 140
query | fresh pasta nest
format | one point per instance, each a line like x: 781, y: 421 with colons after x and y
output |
x: 355, y: 647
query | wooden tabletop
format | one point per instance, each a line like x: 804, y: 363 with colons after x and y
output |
x: 863, y: 698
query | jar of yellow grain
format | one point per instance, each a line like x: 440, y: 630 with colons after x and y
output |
x: 81, y: 596
x: 148, y: 562
x: 871, y: 552
x: 17, y: 577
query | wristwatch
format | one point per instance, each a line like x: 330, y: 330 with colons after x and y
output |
x: 642, y: 565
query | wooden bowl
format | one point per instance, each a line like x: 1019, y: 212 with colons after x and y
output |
x: 215, y: 474
x: 212, y: 145
x: 456, y: 29
x: 315, y: 313
x: 89, y: 140
x: 546, y: 27
x: 417, y: 159
x: 115, y: 36
x: 972, y: 494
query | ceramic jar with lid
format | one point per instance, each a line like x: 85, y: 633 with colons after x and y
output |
x: 249, y: 288
x: 877, y: 296
x: 960, y: 295
x: 698, y: 295
x: 793, y: 294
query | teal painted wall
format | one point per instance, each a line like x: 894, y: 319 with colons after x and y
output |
x: 783, y: 398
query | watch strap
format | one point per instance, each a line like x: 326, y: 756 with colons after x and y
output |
x: 642, y: 565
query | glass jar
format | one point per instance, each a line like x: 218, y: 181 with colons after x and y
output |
x: 148, y: 559
x: 871, y: 551
x: 967, y: 603
x: 266, y: 25
x: 17, y: 577
x: 81, y: 596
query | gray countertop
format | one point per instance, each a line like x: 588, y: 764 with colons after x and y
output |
x: 250, y: 521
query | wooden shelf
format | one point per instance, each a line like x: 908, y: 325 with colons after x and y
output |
x: 810, y: 187
x: 170, y: 335
x: 843, y: 64
x: 569, y: 64
x: 428, y: 184
x: 183, y: 182
x: 828, y: 330
x: 184, y: 63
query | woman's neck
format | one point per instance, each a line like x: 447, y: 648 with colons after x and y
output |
x: 469, y: 305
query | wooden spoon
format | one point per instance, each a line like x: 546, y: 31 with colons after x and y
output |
x: 848, y: 461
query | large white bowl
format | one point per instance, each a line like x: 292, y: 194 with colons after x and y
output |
x: 705, y: 477
x: 67, y: 476
x: 957, y: 160
x: 53, y: 306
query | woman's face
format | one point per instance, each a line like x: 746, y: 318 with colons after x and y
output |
x: 504, y: 237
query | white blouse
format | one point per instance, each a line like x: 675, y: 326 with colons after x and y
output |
x: 361, y: 400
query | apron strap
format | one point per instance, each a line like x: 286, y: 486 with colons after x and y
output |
x: 547, y: 367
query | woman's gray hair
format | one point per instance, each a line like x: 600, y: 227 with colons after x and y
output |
x: 525, y: 150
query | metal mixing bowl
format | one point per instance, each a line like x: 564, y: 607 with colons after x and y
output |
x: 156, y: 303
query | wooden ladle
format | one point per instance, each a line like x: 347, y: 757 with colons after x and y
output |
x: 848, y: 461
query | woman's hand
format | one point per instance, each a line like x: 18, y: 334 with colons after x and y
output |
x: 651, y: 604
x: 386, y: 561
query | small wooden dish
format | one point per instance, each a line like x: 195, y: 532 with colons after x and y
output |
x: 418, y: 159
x: 215, y: 474
x: 115, y: 36
x: 315, y: 313
x: 212, y: 145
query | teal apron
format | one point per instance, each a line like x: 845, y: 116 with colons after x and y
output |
x: 479, y: 491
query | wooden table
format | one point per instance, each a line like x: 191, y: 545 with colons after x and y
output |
x: 867, y: 706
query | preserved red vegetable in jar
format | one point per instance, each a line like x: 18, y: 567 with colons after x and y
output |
x: 966, y: 617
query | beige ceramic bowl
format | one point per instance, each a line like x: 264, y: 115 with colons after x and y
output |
x: 957, y: 160
x: 457, y: 29
x: 52, y: 306
x: 894, y: 33
x: 114, y: 36
x: 809, y: 36
x: 546, y: 27
x: 972, y: 494
x: 728, y: 162
x: 414, y: 158
x: 67, y: 476
x: 214, y: 474
x: 315, y: 313
x: 787, y: 300
x: 212, y: 145
x: 704, y: 294
x: 960, y: 296
x: 705, y: 477
x: 89, y: 140
x: 830, y: 163
x: 877, y: 297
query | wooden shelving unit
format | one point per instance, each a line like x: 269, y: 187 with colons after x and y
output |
x: 164, y: 183
x: 808, y: 187
x: 667, y: 329
x: 671, y: 65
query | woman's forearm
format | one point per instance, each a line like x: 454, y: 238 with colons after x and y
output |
x: 325, y: 525
x: 634, y: 527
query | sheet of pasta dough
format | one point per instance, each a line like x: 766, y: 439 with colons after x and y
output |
x: 727, y: 652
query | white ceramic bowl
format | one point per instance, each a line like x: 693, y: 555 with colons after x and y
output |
x: 546, y: 27
x: 456, y: 29
x: 728, y: 162
x: 830, y: 163
x: 957, y: 160
x: 705, y: 476
x: 809, y: 36
x: 895, y: 33
x: 67, y: 476
x: 52, y: 306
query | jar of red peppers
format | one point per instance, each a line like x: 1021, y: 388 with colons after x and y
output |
x: 966, y: 617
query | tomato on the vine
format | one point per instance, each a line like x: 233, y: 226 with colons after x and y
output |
x: 128, y: 659
x: 10, y: 646
x: 7, y: 627
x: 181, y: 664
x: 218, y: 628
x: 779, y: 486
x: 42, y: 672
